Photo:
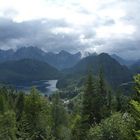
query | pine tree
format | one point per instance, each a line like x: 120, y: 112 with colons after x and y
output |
x: 19, y: 105
x: 118, y: 99
x: 34, y: 123
x: 59, y: 118
x: 102, y: 87
x: 89, y: 111
x: 102, y: 93
x: 109, y: 100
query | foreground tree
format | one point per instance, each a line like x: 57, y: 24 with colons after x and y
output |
x: 103, y: 97
x: 19, y: 105
x: 8, y: 126
x: 34, y: 124
x: 101, y: 86
x: 7, y: 117
x: 116, y: 127
x: 59, y: 115
x: 89, y: 111
x: 135, y: 104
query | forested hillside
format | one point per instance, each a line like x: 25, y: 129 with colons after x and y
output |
x: 69, y: 70
x: 115, y: 73
x: 94, y: 114
x: 26, y: 70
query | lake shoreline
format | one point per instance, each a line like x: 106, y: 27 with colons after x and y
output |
x: 46, y: 87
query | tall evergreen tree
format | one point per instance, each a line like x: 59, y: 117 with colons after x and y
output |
x: 34, y: 123
x: 118, y: 101
x: 59, y: 118
x: 19, y: 105
x: 102, y: 97
x: 89, y: 107
x: 102, y: 87
x: 109, y: 100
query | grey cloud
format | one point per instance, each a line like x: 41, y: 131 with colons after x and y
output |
x: 128, y: 49
x: 10, y: 13
x: 37, y: 33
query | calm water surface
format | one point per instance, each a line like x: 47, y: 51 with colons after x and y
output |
x: 46, y: 87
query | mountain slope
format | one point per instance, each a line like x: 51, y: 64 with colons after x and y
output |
x: 28, y: 52
x: 135, y: 67
x: 123, y: 61
x: 27, y: 70
x: 114, y: 73
x: 6, y: 55
x: 63, y: 59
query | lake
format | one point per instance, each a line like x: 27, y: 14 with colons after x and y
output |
x: 46, y: 87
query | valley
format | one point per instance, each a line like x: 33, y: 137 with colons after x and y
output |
x: 69, y: 70
x: 26, y: 65
x: 63, y: 96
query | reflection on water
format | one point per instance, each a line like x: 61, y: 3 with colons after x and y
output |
x: 46, y: 87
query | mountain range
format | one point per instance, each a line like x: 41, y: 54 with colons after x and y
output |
x: 32, y: 63
x: 59, y: 60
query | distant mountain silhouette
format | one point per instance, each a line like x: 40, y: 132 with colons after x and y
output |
x: 123, y: 61
x: 59, y: 60
x: 135, y: 67
x: 63, y: 59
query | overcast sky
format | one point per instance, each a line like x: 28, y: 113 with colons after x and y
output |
x: 111, y: 26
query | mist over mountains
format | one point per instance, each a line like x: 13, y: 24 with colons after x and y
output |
x: 32, y: 63
x: 59, y: 60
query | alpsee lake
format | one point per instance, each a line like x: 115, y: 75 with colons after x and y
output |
x: 46, y: 87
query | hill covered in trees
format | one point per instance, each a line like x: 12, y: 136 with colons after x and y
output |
x: 27, y: 70
x: 115, y: 73
x: 95, y: 114
x: 87, y: 106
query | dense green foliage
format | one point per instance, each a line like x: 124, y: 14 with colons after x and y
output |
x: 117, y: 127
x: 94, y: 112
x: 135, y: 104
